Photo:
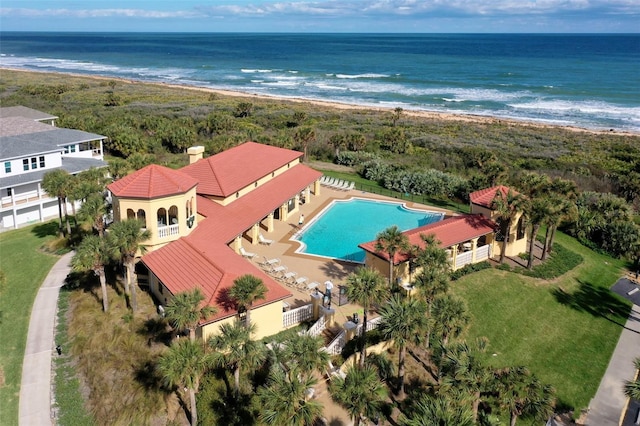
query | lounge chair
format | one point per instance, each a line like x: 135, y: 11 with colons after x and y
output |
x: 344, y: 186
x: 289, y: 276
x: 301, y: 282
x: 263, y: 240
x: 278, y: 270
x: 269, y: 263
x: 247, y: 254
x: 338, y: 184
x: 351, y: 186
x: 330, y: 182
x: 313, y: 285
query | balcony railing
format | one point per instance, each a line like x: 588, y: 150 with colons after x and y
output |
x: 168, y: 231
x: 296, y: 316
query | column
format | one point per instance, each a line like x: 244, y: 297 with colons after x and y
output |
x: 255, y: 229
x: 284, y: 212
x: 474, y: 246
x: 270, y: 222
x: 237, y: 243
x: 316, y: 302
x: 454, y: 255
x: 307, y: 195
x: 316, y: 188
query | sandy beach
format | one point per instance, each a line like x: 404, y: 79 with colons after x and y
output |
x: 427, y: 115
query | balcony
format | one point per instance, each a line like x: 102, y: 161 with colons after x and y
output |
x: 168, y: 231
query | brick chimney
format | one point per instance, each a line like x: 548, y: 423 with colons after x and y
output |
x: 195, y: 153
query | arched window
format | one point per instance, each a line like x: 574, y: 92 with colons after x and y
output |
x: 142, y: 217
x: 131, y: 214
x: 187, y: 208
x: 162, y: 217
x: 173, y: 215
x: 521, y: 228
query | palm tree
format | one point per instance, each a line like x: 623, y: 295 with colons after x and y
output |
x: 404, y: 322
x: 236, y: 349
x: 129, y: 237
x: 93, y: 211
x: 561, y: 209
x: 396, y: 115
x: 632, y: 388
x: 523, y: 394
x: 392, y: 241
x: 433, y: 279
x: 303, y: 354
x: 184, y: 311
x: 93, y: 254
x: 361, y: 393
x: 450, y: 316
x: 539, y: 210
x: 304, y: 136
x: 367, y: 287
x: 284, y: 401
x: 118, y: 168
x: 56, y: 183
x: 438, y: 410
x: 183, y: 365
x: 461, y: 369
x: 245, y: 291
x: 507, y: 207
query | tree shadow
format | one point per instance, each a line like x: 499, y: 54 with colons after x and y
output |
x: 337, y: 270
x: 596, y: 301
x: 46, y: 229
x: 147, y: 375
x: 157, y: 331
x: 232, y: 410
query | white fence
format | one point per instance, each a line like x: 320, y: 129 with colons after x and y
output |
x: 317, y: 328
x: 483, y: 252
x: 296, y: 316
x: 463, y: 259
x: 338, y: 342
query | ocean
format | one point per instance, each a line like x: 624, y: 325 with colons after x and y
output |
x: 585, y: 80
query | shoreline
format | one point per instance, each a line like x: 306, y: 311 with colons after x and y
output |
x: 428, y: 115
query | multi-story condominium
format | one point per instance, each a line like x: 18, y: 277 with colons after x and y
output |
x: 31, y: 146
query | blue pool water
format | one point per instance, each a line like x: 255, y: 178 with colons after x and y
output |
x: 338, y: 230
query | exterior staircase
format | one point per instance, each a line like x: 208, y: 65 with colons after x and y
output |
x: 328, y: 334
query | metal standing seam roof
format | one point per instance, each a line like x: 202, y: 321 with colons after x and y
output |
x: 54, y: 139
x: 72, y: 165
x: 484, y: 197
x: 152, y: 181
x: 450, y: 231
x: 23, y: 111
x: 229, y: 171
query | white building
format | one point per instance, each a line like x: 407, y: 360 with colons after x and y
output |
x: 31, y: 146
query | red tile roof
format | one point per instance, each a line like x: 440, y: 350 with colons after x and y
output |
x: 484, y: 197
x: 203, y: 258
x: 449, y: 232
x: 152, y: 181
x: 183, y: 265
x: 225, y: 173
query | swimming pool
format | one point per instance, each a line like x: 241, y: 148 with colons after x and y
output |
x: 343, y: 224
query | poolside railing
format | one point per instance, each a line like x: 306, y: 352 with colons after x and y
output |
x: 296, y: 316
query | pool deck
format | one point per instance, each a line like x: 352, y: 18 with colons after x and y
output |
x: 318, y: 269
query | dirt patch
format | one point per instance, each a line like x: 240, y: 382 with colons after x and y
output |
x: 321, y: 165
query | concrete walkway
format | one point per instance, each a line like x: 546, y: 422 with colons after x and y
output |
x: 609, y: 403
x: 35, y: 386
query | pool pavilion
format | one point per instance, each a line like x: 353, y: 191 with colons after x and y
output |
x: 202, y: 217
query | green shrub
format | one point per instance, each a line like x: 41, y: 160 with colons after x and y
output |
x: 468, y: 269
x: 559, y: 262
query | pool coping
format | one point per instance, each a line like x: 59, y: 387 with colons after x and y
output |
x: 330, y: 203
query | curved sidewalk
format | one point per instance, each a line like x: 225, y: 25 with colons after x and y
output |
x: 607, y: 406
x: 35, y: 385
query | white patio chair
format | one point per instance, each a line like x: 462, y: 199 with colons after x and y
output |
x: 301, y: 282
x: 269, y: 263
x: 278, y: 270
x: 247, y: 254
x: 263, y: 240
x: 289, y: 276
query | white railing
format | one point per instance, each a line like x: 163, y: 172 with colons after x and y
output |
x: 167, y: 231
x: 463, y: 259
x: 338, y: 342
x: 371, y: 325
x: 317, y: 328
x: 296, y: 316
x: 483, y: 252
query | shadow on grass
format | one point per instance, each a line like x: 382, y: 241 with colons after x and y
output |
x: 597, y: 301
x: 157, y: 331
x: 46, y: 229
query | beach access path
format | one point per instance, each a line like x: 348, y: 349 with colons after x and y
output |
x: 610, y: 402
x: 35, y: 385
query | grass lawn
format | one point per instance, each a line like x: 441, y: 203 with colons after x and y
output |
x: 564, y: 330
x: 25, y: 267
